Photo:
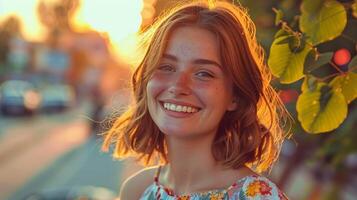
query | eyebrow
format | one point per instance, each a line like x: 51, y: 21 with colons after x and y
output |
x: 201, y: 61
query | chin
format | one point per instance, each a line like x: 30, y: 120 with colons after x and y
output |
x: 174, y: 131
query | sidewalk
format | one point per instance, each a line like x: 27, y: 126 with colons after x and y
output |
x: 34, y: 152
x: 84, y: 166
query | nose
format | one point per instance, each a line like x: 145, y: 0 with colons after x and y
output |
x: 180, y: 84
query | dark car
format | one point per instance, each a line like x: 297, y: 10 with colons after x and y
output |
x: 57, y: 97
x: 18, y: 97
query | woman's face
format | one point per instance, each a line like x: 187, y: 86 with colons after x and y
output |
x: 188, y: 92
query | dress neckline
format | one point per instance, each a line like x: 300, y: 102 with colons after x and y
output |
x: 170, y: 192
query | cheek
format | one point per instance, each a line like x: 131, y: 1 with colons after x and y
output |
x: 218, y: 95
x: 216, y: 91
x: 154, y: 87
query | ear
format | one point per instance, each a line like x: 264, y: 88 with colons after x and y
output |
x: 233, y: 105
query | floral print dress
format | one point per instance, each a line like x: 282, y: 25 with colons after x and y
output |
x: 252, y: 187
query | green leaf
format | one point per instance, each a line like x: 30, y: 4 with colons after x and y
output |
x: 322, y: 20
x: 296, y: 44
x: 309, y: 83
x: 346, y: 83
x: 311, y: 6
x: 286, y: 65
x: 278, y: 17
x: 325, y: 96
x: 353, y: 64
x: 322, y: 109
x: 286, y: 40
x: 314, y: 61
x: 354, y: 9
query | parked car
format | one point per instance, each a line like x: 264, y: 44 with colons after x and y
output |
x: 57, y: 97
x: 18, y: 97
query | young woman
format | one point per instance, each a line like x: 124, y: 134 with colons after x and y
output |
x: 204, y: 112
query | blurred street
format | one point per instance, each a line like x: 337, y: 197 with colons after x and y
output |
x: 56, y: 151
x: 53, y: 93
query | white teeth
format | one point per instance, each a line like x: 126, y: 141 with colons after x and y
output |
x: 184, y: 109
x: 189, y: 109
x: 179, y: 108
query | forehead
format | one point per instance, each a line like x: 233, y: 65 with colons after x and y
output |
x: 193, y: 42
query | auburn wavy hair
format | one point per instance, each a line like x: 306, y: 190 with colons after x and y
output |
x: 251, y: 135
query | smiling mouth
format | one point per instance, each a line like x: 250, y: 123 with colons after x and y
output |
x: 179, y: 108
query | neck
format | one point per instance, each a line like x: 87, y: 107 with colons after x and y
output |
x: 191, y: 164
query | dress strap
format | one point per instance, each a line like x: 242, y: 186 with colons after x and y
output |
x: 157, y: 174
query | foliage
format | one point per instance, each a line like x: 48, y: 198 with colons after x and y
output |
x: 297, y: 53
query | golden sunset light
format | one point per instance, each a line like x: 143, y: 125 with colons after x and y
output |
x: 120, y: 20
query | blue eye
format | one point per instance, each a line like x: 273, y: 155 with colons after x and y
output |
x: 204, y: 74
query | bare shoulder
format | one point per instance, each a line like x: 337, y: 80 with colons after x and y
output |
x: 134, y: 186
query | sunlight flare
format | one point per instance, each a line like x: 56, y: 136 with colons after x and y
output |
x: 120, y: 20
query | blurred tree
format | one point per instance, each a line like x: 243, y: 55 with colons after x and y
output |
x: 57, y: 15
x: 9, y: 28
